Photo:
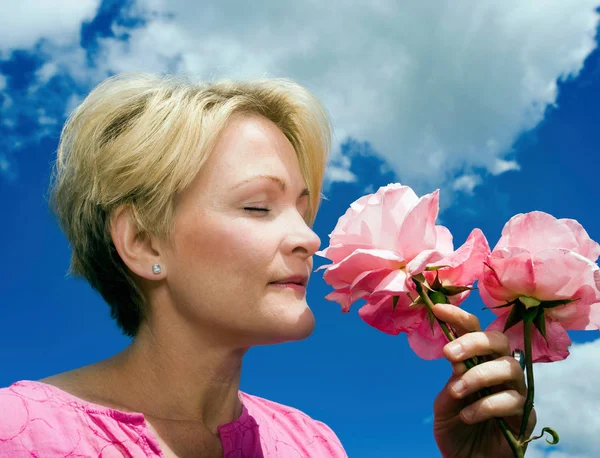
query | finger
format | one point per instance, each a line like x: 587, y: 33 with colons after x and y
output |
x: 502, y: 404
x: 477, y: 344
x: 446, y: 406
x: 501, y: 371
x: 459, y: 368
x: 456, y: 317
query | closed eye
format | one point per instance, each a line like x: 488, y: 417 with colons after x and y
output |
x: 257, y: 209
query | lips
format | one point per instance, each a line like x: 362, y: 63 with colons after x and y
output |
x: 299, y: 280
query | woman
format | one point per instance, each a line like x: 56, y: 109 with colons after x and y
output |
x: 188, y: 207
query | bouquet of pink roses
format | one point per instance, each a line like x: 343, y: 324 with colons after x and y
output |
x: 540, y: 279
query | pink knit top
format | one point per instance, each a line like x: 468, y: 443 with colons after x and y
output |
x: 38, y: 420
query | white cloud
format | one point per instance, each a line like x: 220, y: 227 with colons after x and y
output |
x: 466, y: 183
x: 339, y: 170
x: 432, y: 87
x: 2, y: 82
x: 46, y: 71
x: 44, y: 119
x: 568, y: 400
x: 500, y: 166
x: 336, y: 173
x: 23, y: 23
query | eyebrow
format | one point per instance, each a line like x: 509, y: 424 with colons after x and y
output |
x: 282, y: 185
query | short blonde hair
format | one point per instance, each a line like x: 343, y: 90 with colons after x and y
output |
x: 138, y: 140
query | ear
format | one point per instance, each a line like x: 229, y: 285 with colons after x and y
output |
x: 139, y: 251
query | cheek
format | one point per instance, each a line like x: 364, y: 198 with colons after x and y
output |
x: 229, y: 245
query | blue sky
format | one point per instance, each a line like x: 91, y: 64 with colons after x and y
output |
x: 508, y: 125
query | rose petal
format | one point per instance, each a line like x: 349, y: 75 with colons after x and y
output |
x: 585, y: 245
x: 379, y: 219
x: 379, y: 315
x: 583, y: 314
x: 345, y: 272
x: 338, y: 252
x: 444, y: 240
x: 488, y: 300
x: 368, y: 282
x: 394, y: 283
x: 427, y: 343
x: 465, y: 265
x: 407, y: 318
x: 422, y: 260
x: 560, y: 273
x: 536, y: 231
x: 396, y: 204
x: 418, y: 231
x: 556, y: 349
x: 362, y: 286
x: 341, y: 296
x: 354, y: 209
x: 509, y: 275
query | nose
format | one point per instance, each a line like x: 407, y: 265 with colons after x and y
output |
x: 301, y: 239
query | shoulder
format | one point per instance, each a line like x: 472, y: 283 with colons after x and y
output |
x: 29, y: 412
x: 281, y: 420
x: 38, y: 418
x: 28, y: 403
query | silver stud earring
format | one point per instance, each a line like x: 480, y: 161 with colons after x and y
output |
x: 156, y: 268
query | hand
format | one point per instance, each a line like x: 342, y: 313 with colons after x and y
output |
x: 464, y: 424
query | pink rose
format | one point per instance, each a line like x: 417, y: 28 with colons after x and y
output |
x: 544, y: 259
x: 385, y: 239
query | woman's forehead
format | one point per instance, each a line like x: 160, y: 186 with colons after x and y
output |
x: 251, y: 147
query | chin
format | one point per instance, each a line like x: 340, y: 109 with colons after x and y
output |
x: 289, y: 327
x: 303, y: 327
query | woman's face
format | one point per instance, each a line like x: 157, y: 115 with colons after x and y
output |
x: 238, y: 229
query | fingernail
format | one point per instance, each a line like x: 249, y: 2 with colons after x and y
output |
x: 458, y: 387
x: 455, y: 349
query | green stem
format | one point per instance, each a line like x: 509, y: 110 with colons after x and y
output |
x: 429, y: 304
x: 527, y: 326
x: 515, y: 445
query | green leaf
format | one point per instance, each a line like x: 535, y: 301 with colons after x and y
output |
x: 514, y: 316
x: 394, y: 303
x: 438, y: 298
x: 434, y: 268
x: 418, y: 301
x: 418, y: 278
x: 508, y: 304
x: 550, y: 431
x: 553, y: 433
x: 529, y: 302
x: 552, y: 304
x: 454, y: 290
x: 540, y: 323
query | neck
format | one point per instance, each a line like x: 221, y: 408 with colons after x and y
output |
x: 171, y: 374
